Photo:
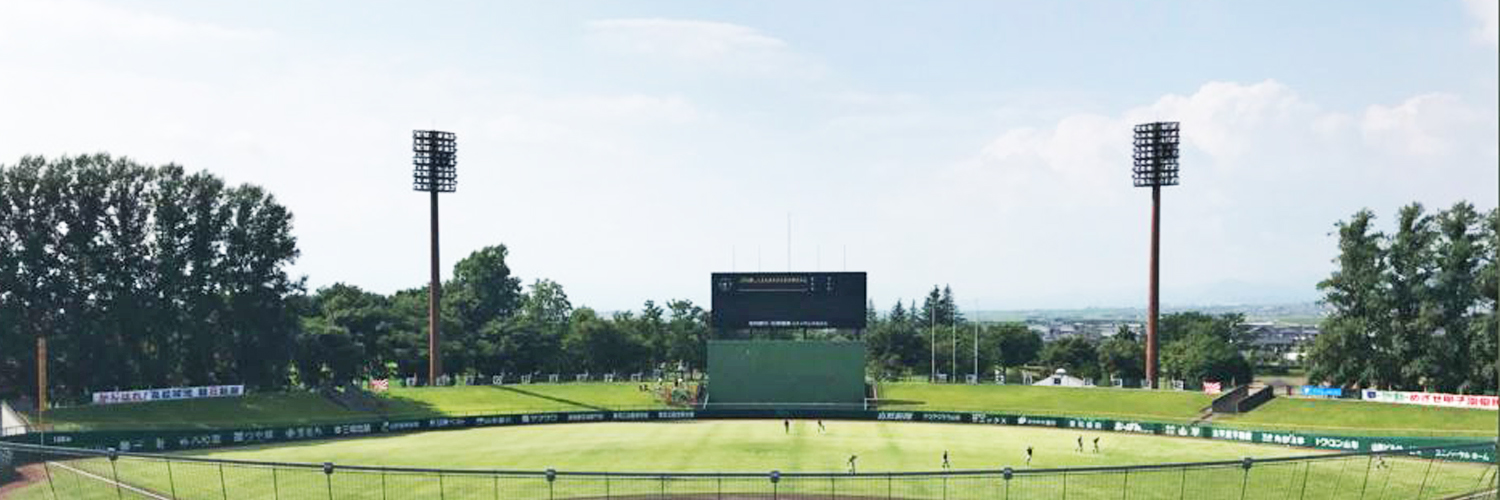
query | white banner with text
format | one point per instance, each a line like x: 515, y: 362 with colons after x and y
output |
x: 167, y: 394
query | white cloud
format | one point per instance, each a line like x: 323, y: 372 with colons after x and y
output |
x: 717, y: 45
x: 1430, y: 125
x: 1487, y: 12
x: 1266, y: 173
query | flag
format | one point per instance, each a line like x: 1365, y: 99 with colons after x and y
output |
x: 380, y: 385
x: 1212, y: 388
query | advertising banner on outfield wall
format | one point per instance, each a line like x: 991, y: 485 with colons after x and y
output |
x: 170, y: 440
x: 1331, y: 392
x: 1432, y: 399
x: 143, y: 395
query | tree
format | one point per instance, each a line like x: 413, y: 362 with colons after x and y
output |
x: 1404, y: 355
x: 1485, y: 327
x: 327, y: 354
x: 483, y: 289
x: 1356, y: 293
x: 142, y: 276
x: 932, y: 312
x: 1228, y: 327
x: 898, y: 314
x: 1078, y: 355
x: 1017, y: 345
x: 597, y: 345
x: 1122, y: 357
x: 896, y: 345
x: 1205, y: 357
x: 948, y: 313
x: 1455, y: 291
x: 687, y: 333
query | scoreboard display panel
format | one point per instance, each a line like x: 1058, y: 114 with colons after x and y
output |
x: 788, y: 300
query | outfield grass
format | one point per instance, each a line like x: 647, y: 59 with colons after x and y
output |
x: 1362, y: 418
x: 752, y: 445
x: 1169, y: 406
x: 764, y: 445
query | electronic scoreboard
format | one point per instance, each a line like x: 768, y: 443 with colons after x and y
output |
x: 788, y: 300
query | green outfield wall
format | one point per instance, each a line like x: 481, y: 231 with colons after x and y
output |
x: 785, y: 372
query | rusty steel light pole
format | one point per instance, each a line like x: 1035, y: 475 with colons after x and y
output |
x: 1155, y: 166
x: 435, y: 162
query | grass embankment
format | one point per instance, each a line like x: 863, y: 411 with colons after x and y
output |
x: 1348, y: 417
x: 249, y: 410
x: 300, y: 408
x: 1337, y: 417
x: 1316, y: 416
x: 1161, y: 406
x: 522, y: 398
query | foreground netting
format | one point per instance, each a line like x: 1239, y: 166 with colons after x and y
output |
x: 54, y: 473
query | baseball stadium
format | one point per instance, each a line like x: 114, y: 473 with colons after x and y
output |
x: 790, y: 418
x: 826, y: 250
x: 790, y: 385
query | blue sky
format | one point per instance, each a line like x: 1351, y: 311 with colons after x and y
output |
x: 628, y: 149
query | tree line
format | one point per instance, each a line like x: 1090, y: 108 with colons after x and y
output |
x: 1413, y: 309
x: 911, y: 340
x: 141, y: 275
x: 490, y: 326
x: 151, y: 276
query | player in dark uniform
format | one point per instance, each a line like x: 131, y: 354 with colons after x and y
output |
x: 821, y: 429
x: 852, y: 458
x: 1080, y: 443
x: 1096, y: 444
x: 1028, y: 455
x: 945, y: 460
x: 788, y: 424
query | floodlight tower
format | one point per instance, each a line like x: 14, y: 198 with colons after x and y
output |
x: 1155, y: 166
x: 435, y: 162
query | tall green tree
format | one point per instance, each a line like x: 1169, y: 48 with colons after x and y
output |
x: 483, y: 288
x: 1455, y: 292
x: 1404, y: 356
x: 1485, y: 329
x: 142, y: 276
x: 1343, y: 352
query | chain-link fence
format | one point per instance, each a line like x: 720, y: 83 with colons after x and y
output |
x: 53, y: 473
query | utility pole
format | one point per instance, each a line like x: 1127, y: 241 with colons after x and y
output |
x: 953, y: 343
x: 976, y: 341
